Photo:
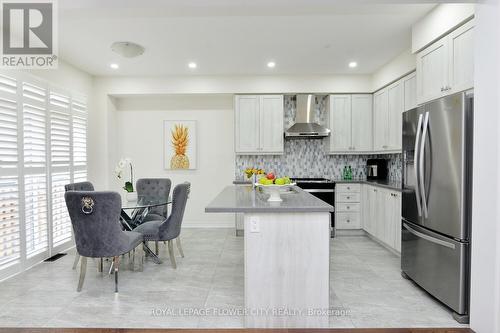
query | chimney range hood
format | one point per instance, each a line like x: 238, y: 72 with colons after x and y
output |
x: 306, y: 126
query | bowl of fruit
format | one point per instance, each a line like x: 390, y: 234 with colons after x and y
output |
x: 275, y: 186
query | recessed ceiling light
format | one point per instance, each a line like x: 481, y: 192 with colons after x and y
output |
x: 192, y: 65
x: 271, y: 64
x: 114, y: 66
x: 353, y: 64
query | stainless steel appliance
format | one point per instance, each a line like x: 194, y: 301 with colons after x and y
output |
x: 436, y: 199
x: 306, y: 125
x: 376, y: 168
x: 321, y: 188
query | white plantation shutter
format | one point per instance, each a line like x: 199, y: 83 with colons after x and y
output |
x: 35, y: 170
x: 60, y: 159
x: 43, y: 146
x: 79, y: 117
x: 10, y: 242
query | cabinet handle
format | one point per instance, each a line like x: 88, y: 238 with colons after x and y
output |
x: 348, y: 221
x: 442, y: 89
x: 348, y: 197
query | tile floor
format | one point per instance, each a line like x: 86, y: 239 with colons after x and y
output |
x: 366, y: 290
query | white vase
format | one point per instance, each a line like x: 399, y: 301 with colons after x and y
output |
x: 131, y: 196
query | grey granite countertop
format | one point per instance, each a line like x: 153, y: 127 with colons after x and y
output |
x: 244, y: 199
x: 390, y: 184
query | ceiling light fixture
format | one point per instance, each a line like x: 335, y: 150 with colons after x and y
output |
x: 353, y: 64
x: 271, y: 64
x: 192, y: 65
x: 114, y: 66
x: 127, y: 49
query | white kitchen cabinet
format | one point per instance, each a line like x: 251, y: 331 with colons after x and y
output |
x: 347, y: 206
x: 410, y: 91
x: 362, y: 123
x: 395, y: 115
x: 380, y: 120
x: 381, y: 215
x: 351, y: 123
x: 259, y: 124
x: 447, y: 65
x: 461, y: 58
x: 340, y: 123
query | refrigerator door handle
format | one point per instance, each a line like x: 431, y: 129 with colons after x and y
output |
x: 416, y: 166
x: 421, y: 165
x: 429, y: 238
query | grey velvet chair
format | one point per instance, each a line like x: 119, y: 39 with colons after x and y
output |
x: 169, y: 229
x: 95, y: 218
x: 81, y: 186
x: 155, y: 187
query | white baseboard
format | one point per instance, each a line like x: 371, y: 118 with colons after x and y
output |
x: 207, y: 224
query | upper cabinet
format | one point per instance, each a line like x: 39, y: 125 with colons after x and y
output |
x: 259, y: 124
x: 351, y: 123
x: 446, y: 66
x: 389, y: 104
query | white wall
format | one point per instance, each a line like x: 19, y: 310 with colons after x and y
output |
x: 442, y: 19
x: 485, y: 288
x: 139, y: 134
x: 401, y: 65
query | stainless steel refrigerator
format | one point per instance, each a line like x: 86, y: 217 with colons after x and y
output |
x: 436, y: 199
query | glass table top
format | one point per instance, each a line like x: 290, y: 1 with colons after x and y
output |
x: 145, y: 202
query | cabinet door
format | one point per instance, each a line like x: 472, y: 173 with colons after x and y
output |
x: 380, y: 120
x: 271, y: 124
x: 340, y: 123
x: 410, y: 91
x: 361, y: 123
x: 380, y: 213
x: 432, y: 71
x: 396, y: 220
x: 247, y: 124
x: 395, y: 113
x: 373, y: 210
x: 461, y: 62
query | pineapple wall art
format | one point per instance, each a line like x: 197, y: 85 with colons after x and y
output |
x: 180, y: 144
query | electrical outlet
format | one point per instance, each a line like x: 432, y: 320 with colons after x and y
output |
x: 254, y: 224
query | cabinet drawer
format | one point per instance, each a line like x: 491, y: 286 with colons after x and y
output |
x: 347, y: 207
x: 347, y: 188
x: 347, y: 221
x: 347, y: 197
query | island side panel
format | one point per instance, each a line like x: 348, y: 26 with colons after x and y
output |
x: 287, y: 258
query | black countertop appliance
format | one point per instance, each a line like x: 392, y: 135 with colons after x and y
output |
x: 376, y: 169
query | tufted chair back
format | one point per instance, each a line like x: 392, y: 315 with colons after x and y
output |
x: 171, y: 228
x: 155, y: 187
x: 82, y: 186
x: 95, y: 218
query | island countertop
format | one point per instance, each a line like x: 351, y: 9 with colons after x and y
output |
x: 244, y: 199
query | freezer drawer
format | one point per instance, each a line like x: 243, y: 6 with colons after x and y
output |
x: 438, y: 264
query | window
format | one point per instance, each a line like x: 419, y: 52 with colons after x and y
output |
x: 43, y: 146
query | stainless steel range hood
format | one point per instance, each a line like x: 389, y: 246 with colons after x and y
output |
x: 306, y: 125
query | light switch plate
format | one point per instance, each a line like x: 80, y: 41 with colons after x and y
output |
x: 254, y: 224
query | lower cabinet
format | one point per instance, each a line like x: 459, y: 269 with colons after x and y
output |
x: 381, y: 214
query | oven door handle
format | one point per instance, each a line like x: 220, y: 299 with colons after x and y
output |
x: 310, y: 190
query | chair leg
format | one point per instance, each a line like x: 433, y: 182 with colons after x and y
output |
x: 157, y: 250
x: 179, y: 246
x: 131, y: 260
x: 116, y: 264
x: 171, y: 253
x: 83, y: 270
x: 140, y: 253
x: 75, y: 263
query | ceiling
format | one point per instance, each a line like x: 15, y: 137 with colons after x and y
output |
x: 235, y: 37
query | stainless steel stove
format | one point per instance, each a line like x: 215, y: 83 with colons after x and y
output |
x: 321, y: 188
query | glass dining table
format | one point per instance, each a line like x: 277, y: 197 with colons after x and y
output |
x: 134, y: 212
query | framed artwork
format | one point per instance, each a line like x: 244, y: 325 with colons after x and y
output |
x: 179, y: 144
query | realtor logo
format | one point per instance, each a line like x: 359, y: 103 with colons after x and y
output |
x: 28, y: 34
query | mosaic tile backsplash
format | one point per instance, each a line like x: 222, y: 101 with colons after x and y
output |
x: 308, y: 157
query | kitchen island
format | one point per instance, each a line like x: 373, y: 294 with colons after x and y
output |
x: 287, y: 256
